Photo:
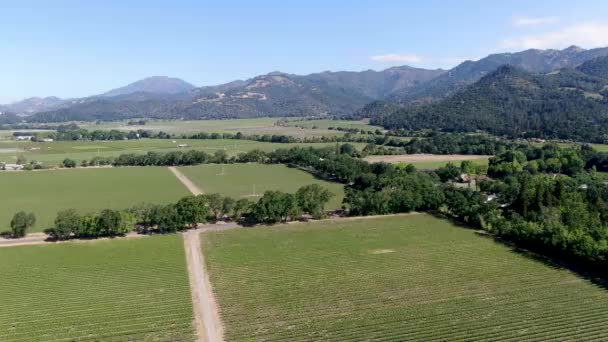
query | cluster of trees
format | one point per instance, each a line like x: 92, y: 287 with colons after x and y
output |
x: 549, y: 158
x: 74, y: 134
x: 188, y: 212
x: 106, y: 223
x: 564, y: 216
x: 175, y: 158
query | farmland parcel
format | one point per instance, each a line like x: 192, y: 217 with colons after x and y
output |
x: 251, y: 180
x: 46, y: 192
x: 118, y: 290
x: 400, y: 278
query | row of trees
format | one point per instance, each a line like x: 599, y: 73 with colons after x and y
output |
x: 188, y: 212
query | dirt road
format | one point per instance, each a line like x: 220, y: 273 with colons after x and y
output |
x: 42, y: 239
x: 206, y: 311
x: 195, y: 190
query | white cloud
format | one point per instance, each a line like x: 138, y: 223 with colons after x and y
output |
x: 398, y: 58
x: 534, y: 21
x: 588, y: 35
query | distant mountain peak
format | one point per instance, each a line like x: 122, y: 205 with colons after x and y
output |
x: 154, y: 85
x: 573, y: 48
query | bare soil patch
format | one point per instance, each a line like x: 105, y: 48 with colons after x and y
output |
x: 382, y: 251
x: 422, y: 157
x: 195, y: 190
x: 206, y: 311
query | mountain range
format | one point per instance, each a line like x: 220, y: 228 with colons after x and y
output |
x: 384, y: 96
x: 567, y: 103
x: 272, y: 94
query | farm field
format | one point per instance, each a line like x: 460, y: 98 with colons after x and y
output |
x: 46, y: 192
x: 239, y: 180
x: 429, y: 161
x: 118, y: 290
x: 245, y: 126
x: 53, y: 153
x: 326, y: 124
x: 412, y: 277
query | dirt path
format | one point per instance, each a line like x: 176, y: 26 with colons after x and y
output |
x: 195, y: 190
x: 206, y: 311
x: 41, y: 239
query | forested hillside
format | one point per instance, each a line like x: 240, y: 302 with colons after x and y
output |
x: 273, y: 94
x: 564, y: 104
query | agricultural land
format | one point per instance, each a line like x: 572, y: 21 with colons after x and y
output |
x: 413, y: 277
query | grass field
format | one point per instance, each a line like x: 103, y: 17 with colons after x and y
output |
x: 438, y: 164
x: 429, y: 161
x: 239, y: 179
x: 118, y: 290
x: 245, y: 126
x: 326, y: 124
x: 53, y: 153
x: 47, y: 192
x: 408, y: 278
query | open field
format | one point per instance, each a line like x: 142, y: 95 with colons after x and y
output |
x: 119, y: 290
x: 430, y: 161
x: 245, y: 126
x: 401, y: 278
x: 326, y: 124
x: 53, y: 153
x: 239, y: 180
x: 47, y: 192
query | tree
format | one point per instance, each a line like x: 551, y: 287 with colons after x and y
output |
x: 169, y: 220
x: 448, y: 172
x: 66, y: 222
x: 220, y: 157
x: 193, y: 210
x: 275, y: 206
x: 21, y: 222
x: 68, y: 163
x: 228, y: 204
x: 109, y: 223
x: 241, y: 207
x: 21, y: 160
x: 215, y: 203
x: 312, y: 199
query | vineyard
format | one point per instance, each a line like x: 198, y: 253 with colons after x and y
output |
x: 46, y: 192
x: 251, y: 180
x: 403, y: 278
x: 124, y: 290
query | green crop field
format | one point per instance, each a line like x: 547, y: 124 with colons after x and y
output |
x: 438, y: 164
x: 326, y: 124
x: 47, y: 192
x: 118, y: 290
x: 239, y: 180
x: 53, y: 153
x: 245, y: 126
x: 405, y: 278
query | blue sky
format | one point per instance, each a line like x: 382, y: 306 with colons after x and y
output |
x: 81, y: 48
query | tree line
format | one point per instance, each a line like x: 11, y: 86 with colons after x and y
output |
x: 188, y: 212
